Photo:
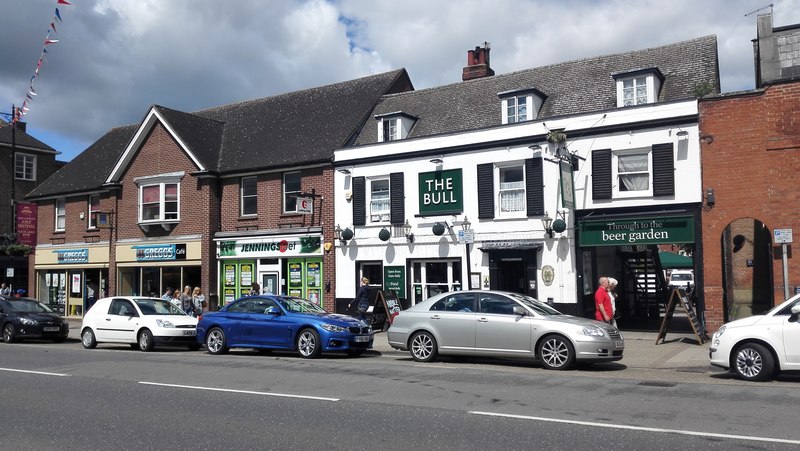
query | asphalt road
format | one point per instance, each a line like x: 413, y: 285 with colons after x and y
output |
x: 60, y: 395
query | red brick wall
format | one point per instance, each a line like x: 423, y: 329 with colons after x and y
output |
x: 271, y: 217
x: 752, y: 165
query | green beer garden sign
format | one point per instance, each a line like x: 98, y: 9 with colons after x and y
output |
x: 661, y: 230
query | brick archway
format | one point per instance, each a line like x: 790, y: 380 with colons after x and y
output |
x: 746, y: 268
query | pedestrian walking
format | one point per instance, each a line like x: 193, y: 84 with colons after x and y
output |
x: 612, y: 294
x: 255, y: 289
x: 602, y: 302
x: 187, y: 303
x: 361, y: 302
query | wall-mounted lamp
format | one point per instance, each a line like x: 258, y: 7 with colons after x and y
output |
x: 344, y: 171
x: 710, y: 199
x: 681, y: 133
x: 343, y: 235
x: 465, y: 224
x: 547, y: 223
x: 407, y: 232
x: 437, y: 161
x: 535, y: 147
x: 82, y: 215
x: 551, y: 226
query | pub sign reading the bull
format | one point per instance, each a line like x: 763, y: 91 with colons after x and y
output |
x: 441, y: 192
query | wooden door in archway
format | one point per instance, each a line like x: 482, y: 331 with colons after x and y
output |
x: 746, y: 268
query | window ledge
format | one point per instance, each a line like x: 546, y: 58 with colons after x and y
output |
x: 166, y: 225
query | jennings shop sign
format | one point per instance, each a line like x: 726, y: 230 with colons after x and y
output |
x: 629, y: 232
x: 278, y: 247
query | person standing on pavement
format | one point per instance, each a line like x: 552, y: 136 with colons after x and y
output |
x: 602, y: 302
x: 362, y: 299
x: 187, y: 304
x: 5, y: 290
x: 199, y: 300
x: 176, y: 297
x: 255, y: 289
x: 612, y: 293
x: 167, y: 296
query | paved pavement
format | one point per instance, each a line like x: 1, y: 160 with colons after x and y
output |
x: 677, y: 351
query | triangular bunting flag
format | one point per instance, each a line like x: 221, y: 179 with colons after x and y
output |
x: 53, y: 26
x: 50, y: 41
x: 58, y: 15
x: 64, y: 2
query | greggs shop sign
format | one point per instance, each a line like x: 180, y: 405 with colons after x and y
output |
x: 72, y: 256
x: 441, y: 192
x: 629, y: 232
x: 160, y: 252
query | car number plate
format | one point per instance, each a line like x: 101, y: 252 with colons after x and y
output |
x: 619, y: 344
x: 189, y: 332
x: 52, y: 329
x: 361, y: 338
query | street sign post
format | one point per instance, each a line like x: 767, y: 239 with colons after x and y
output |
x: 784, y: 237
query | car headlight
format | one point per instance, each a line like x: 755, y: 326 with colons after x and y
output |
x: 333, y: 328
x: 719, y: 332
x: 164, y: 323
x: 28, y: 321
x: 594, y: 331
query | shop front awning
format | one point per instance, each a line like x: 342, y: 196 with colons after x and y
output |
x: 509, y: 245
x: 671, y: 260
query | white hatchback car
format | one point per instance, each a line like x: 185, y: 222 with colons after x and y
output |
x: 758, y: 347
x: 140, y: 322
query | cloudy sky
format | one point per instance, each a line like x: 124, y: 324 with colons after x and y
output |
x: 115, y: 58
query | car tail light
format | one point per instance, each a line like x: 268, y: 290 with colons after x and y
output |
x: 199, y: 318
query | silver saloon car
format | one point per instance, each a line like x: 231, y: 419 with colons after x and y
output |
x: 503, y: 324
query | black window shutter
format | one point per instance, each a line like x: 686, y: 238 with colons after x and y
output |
x: 397, y: 198
x: 601, y: 174
x: 359, y: 201
x: 534, y: 186
x: 663, y: 170
x: 486, y: 191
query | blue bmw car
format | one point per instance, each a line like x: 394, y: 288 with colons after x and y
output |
x: 271, y: 322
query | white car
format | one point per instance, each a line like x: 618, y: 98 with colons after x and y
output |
x: 138, y: 321
x: 758, y: 347
x: 681, y: 279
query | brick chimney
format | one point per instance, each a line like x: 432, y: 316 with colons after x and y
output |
x: 477, y: 63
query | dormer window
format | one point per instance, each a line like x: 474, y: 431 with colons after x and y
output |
x: 394, y: 126
x: 520, y: 105
x: 639, y: 87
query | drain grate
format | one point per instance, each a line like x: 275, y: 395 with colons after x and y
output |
x: 657, y: 384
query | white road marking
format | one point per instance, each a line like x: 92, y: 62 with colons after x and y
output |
x: 228, y: 390
x: 641, y: 428
x: 43, y: 373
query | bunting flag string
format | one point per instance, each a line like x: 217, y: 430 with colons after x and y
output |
x: 29, y: 96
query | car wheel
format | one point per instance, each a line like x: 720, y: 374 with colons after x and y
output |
x: 146, y: 341
x: 556, y: 353
x: 308, y: 344
x: 194, y: 346
x: 87, y: 339
x: 9, y: 334
x: 216, y: 342
x: 753, y: 362
x: 423, y: 347
x: 355, y: 352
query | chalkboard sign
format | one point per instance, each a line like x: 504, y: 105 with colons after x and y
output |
x: 680, y: 297
x: 387, y: 306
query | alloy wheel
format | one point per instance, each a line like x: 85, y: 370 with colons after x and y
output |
x: 307, y: 343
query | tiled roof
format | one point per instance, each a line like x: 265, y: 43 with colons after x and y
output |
x: 22, y: 139
x: 573, y: 87
x: 281, y: 131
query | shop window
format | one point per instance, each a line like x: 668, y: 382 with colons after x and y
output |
x: 430, y: 278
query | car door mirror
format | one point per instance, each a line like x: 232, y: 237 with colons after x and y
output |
x: 272, y: 311
x: 520, y: 311
x: 796, y: 309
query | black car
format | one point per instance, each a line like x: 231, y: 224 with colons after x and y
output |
x: 22, y: 318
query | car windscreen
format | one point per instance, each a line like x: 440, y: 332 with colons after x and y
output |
x: 299, y: 305
x: 681, y: 277
x: 158, y: 307
x: 29, y: 307
x: 537, y: 306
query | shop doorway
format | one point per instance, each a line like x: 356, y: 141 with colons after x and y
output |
x: 269, y: 283
x: 513, y: 270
